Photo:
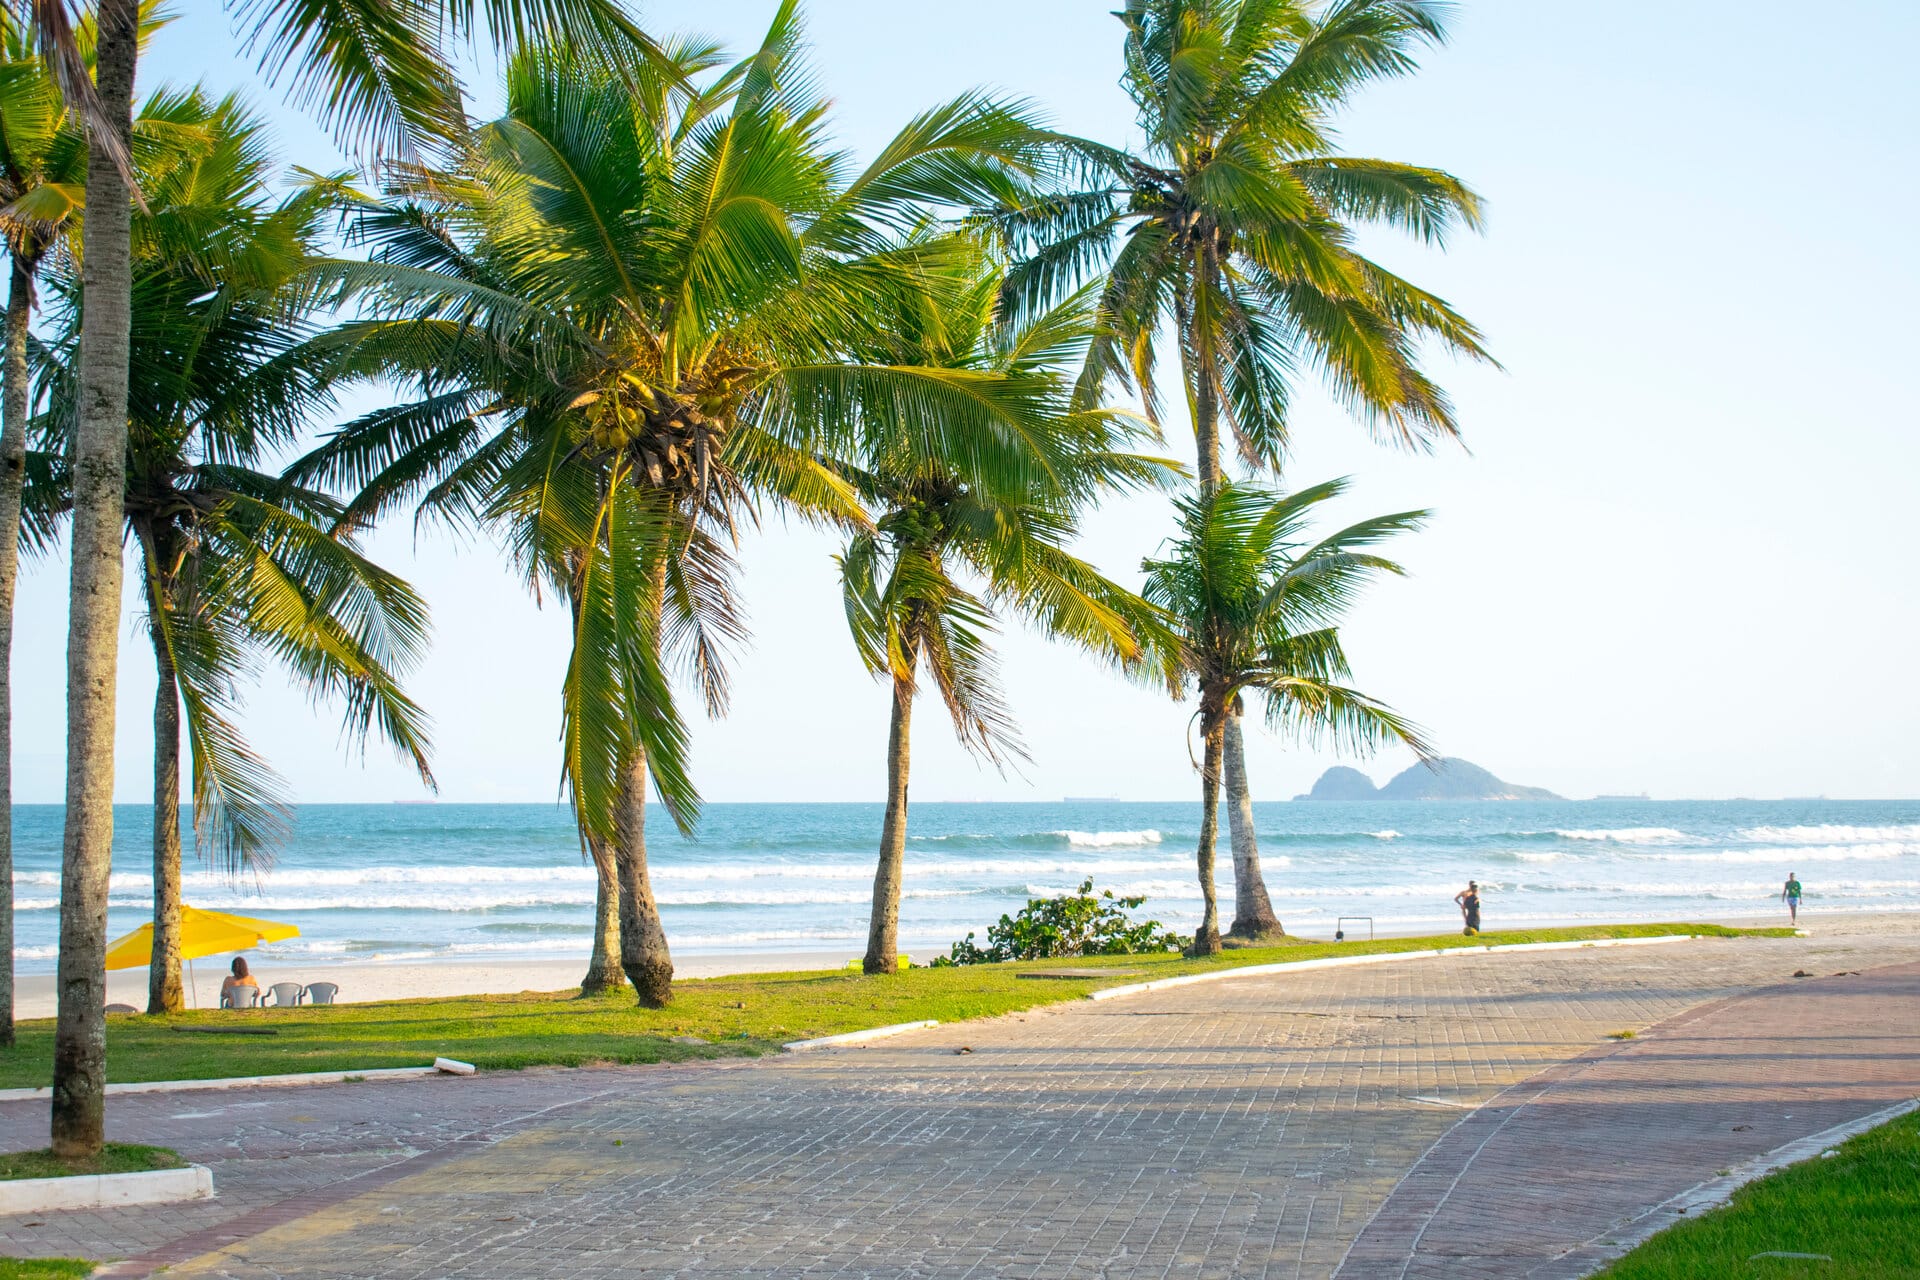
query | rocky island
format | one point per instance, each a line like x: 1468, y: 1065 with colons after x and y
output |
x: 1449, y: 778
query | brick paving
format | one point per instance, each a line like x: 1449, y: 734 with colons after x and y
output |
x: 1254, y: 1127
x: 1545, y: 1181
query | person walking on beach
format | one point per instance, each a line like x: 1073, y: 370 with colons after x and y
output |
x: 1468, y: 900
x: 1791, y: 896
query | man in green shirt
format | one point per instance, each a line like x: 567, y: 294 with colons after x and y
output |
x: 1791, y: 896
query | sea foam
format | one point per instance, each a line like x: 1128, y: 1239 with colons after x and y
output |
x: 1109, y: 839
x: 1630, y: 835
x: 1831, y: 833
x: 1788, y: 855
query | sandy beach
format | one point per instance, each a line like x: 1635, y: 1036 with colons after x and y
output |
x: 34, y: 993
x: 358, y: 983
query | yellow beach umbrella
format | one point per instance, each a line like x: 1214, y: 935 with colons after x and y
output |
x: 202, y: 933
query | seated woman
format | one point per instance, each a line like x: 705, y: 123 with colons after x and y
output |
x: 240, y: 987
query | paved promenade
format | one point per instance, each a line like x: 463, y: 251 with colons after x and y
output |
x: 1465, y: 1116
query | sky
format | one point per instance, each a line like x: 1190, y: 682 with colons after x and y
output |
x: 1675, y: 555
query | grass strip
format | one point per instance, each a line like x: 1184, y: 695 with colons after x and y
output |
x: 741, y: 1016
x: 44, y: 1268
x: 115, y: 1157
x: 1858, y: 1210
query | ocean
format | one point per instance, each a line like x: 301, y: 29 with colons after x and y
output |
x: 471, y: 882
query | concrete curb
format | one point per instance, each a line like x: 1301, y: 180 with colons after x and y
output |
x: 106, y: 1190
x: 1339, y: 962
x: 858, y: 1037
x: 236, y: 1082
x: 1717, y: 1191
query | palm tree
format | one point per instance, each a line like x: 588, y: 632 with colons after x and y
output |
x: 239, y: 569
x: 954, y: 504
x: 1232, y: 227
x: 93, y: 613
x: 627, y: 315
x: 381, y: 75
x: 43, y: 159
x: 1257, y: 608
x: 40, y: 167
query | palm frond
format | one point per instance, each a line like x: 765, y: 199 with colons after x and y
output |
x: 617, y: 697
x: 1256, y: 607
x: 1429, y: 203
x: 346, y: 628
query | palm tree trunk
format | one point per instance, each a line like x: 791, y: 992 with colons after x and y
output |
x: 883, y: 926
x: 164, y: 994
x: 93, y: 615
x: 13, y: 478
x: 1198, y: 370
x: 643, y: 939
x: 603, y: 967
x: 1200, y: 377
x: 1206, y: 939
x: 1252, y: 909
x: 1206, y: 430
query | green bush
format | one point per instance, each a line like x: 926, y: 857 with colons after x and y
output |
x: 1073, y: 924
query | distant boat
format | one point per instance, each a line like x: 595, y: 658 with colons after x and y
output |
x: 1642, y: 796
x: 416, y: 802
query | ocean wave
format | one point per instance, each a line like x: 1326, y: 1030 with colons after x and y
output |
x: 800, y: 878
x: 1832, y: 833
x: 1033, y: 867
x: 700, y: 872
x: 559, y: 884
x: 560, y: 896
x: 1434, y: 890
x: 1630, y: 835
x: 807, y: 897
x: 198, y: 885
x: 1043, y: 839
x: 311, y: 946
x: 1109, y: 839
x: 1785, y: 856
x: 294, y: 905
x: 1151, y: 890
x: 540, y: 928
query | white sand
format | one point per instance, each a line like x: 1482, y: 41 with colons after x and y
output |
x: 34, y: 998
x: 34, y: 993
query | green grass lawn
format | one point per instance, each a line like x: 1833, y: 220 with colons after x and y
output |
x: 115, y: 1157
x: 738, y: 1016
x: 1860, y: 1208
x: 43, y: 1268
